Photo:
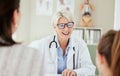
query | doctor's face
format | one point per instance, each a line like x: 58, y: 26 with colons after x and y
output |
x: 64, y: 28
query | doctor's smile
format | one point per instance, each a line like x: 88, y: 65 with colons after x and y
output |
x: 66, y: 33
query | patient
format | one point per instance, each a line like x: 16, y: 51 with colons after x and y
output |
x: 15, y: 59
x: 108, y: 54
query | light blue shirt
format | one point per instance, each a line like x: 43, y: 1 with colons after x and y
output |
x: 62, y: 59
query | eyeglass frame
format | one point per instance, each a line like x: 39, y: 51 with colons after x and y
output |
x: 65, y: 24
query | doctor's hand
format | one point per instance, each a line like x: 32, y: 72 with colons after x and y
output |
x: 68, y: 72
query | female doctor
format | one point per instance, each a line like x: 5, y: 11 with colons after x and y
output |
x: 62, y: 53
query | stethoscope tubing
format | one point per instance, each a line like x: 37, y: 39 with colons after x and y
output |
x: 53, y: 42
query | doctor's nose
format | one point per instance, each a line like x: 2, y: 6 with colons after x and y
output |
x: 66, y: 28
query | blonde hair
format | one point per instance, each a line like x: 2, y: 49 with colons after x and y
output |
x: 62, y: 13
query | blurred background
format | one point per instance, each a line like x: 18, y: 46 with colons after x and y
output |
x: 35, y: 25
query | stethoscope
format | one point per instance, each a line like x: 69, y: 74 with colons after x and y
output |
x: 53, y: 41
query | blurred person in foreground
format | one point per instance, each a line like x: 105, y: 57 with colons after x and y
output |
x: 15, y: 58
x: 108, y: 54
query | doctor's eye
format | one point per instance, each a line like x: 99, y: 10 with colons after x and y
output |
x: 70, y: 24
x: 61, y: 26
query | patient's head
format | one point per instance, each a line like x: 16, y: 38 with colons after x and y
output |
x: 9, y: 18
x: 108, y: 54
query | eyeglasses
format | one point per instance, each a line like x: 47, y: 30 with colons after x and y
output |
x: 62, y: 25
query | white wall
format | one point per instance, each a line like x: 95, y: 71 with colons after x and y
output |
x: 117, y: 15
x: 35, y: 27
x: 40, y: 25
x: 104, y: 14
x: 23, y: 32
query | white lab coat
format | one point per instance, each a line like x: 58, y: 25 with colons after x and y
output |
x: 83, y: 63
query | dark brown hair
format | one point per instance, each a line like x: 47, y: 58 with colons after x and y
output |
x: 109, y: 47
x: 7, y: 8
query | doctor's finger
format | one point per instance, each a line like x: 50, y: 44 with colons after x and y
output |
x: 66, y: 72
x: 69, y: 72
x: 73, y: 73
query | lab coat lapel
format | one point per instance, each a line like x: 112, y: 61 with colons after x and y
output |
x: 53, y: 53
x: 53, y: 58
x: 50, y: 64
x: 70, y: 58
